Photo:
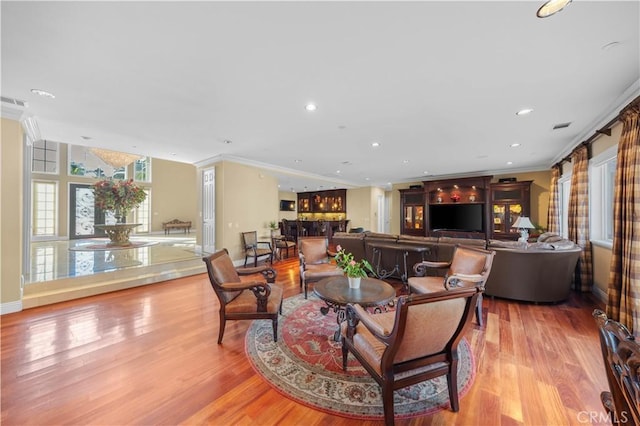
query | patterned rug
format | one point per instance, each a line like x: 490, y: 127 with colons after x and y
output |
x: 306, y: 366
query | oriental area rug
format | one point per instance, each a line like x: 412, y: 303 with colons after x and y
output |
x: 305, y: 365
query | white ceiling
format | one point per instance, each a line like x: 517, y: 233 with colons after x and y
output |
x: 437, y: 84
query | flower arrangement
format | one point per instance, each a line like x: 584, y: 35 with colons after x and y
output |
x: 121, y: 196
x: 348, y: 264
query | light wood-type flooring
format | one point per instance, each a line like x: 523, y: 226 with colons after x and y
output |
x: 148, y: 356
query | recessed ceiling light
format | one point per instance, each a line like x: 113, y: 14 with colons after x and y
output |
x: 227, y: 141
x: 514, y: 145
x: 425, y: 172
x: 44, y: 93
x: 310, y: 107
x: 375, y: 144
x: 338, y: 171
x: 509, y: 163
x: 86, y: 138
x: 525, y: 111
x: 367, y: 178
x: 551, y: 7
x: 405, y: 161
x: 297, y: 161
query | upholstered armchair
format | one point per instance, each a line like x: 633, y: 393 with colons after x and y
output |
x: 243, y: 300
x: 470, y: 266
x: 255, y: 249
x: 417, y: 342
x: 315, y: 261
x: 282, y: 243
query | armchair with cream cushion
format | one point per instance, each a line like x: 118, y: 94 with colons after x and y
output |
x: 417, y: 342
x: 470, y: 266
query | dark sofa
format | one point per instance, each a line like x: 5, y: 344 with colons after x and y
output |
x: 537, y: 272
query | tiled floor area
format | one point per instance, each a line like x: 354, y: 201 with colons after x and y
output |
x: 52, y: 260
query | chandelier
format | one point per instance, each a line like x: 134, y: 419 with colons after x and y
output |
x: 114, y: 158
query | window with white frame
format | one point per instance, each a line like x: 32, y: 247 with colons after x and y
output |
x: 564, y: 191
x: 142, y: 170
x: 45, y: 209
x: 44, y: 157
x: 602, y: 174
x: 82, y: 162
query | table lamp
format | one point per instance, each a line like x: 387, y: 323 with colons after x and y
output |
x: 523, y: 224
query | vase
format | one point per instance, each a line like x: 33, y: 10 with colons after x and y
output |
x: 354, y: 282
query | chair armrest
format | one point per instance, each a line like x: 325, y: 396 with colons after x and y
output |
x: 267, y: 272
x: 452, y: 280
x: 420, y: 268
x: 267, y: 243
x: 331, y: 253
x: 245, y: 286
x: 357, y: 313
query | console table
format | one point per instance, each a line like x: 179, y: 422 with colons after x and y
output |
x: 398, y: 249
x: 176, y: 224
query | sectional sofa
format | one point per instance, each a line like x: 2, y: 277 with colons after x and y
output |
x: 538, y: 272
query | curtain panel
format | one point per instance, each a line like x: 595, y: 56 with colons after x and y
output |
x: 553, y: 214
x: 623, y: 302
x: 579, y: 217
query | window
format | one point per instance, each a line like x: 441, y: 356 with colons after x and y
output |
x: 142, y: 216
x: 44, y: 157
x: 564, y: 191
x: 84, y: 163
x: 45, y: 209
x: 142, y: 170
x: 602, y: 174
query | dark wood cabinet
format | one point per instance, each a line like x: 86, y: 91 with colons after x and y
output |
x: 412, y: 208
x: 331, y: 201
x: 509, y: 201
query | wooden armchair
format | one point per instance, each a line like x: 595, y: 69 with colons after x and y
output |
x: 254, y: 248
x: 621, y: 356
x: 282, y: 243
x: 470, y: 266
x: 315, y: 261
x: 243, y: 300
x: 417, y: 342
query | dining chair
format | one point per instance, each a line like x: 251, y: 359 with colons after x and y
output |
x: 255, y: 249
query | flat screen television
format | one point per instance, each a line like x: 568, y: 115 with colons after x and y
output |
x: 456, y: 217
x: 287, y: 206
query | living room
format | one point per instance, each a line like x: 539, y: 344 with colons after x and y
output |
x: 247, y: 196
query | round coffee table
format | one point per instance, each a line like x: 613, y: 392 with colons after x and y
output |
x: 335, y: 292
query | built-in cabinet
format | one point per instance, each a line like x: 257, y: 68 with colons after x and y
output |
x: 331, y: 201
x: 509, y: 201
x: 412, y: 208
x: 451, y: 207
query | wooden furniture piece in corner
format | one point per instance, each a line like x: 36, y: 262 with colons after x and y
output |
x: 412, y: 206
x: 176, y: 224
x: 331, y: 201
x: 509, y: 201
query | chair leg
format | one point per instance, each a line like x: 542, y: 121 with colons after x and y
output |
x: 274, y: 321
x: 452, y: 382
x: 345, y: 355
x: 223, y: 322
x: 479, y: 310
x: 387, y: 404
x: 245, y: 260
x: 305, y: 289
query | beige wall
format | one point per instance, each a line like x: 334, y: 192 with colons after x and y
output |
x: 361, y: 208
x: 246, y: 200
x: 176, y: 193
x: 601, y: 267
x: 11, y: 200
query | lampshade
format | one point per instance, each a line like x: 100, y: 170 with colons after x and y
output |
x: 523, y: 222
x: 114, y: 158
x: 551, y: 7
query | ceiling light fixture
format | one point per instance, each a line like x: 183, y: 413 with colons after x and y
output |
x: 310, y: 107
x: 509, y: 163
x: 375, y: 144
x: 114, y: 158
x: 525, y: 111
x: 43, y: 93
x: 551, y: 7
x: 514, y: 145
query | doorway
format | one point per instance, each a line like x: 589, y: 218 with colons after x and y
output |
x: 83, y: 213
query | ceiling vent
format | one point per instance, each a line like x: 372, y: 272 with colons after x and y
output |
x: 12, y: 108
x: 561, y: 126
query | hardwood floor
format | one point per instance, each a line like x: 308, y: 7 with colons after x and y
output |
x: 149, y: 356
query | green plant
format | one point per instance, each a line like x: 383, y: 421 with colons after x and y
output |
x: 121, y: 196
x: 273, y: 225
x: 349, y: 265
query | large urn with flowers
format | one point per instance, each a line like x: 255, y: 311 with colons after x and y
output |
x: 119, y: 197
